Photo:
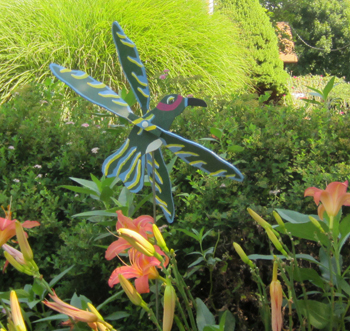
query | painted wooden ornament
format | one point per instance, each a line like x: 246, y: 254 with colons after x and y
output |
x: 150, y: 132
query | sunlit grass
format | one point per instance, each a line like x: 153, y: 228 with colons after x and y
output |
x: 177, y: 35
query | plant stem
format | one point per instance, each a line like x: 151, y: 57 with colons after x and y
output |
x: 155, y: 219
x: 183, y: 289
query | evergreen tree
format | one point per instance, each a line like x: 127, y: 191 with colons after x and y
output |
x: 260, y: 40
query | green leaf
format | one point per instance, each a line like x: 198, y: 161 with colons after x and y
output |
x: 211, y: 328
x: 282, y: 257
x: 110, y: 299
x: 87, y: 183
x: 319, y: 92
x: 230, y: 323
x: 106, y: 194
x: 210, y: 250
x: 192, y: 271
x: 302, y: 274
x: 328, y: 88
x: 52, y: 318
x: 209, y: 139
x: 343, y: 285
x: 58, y: 277
x: 312, y: 101
x: 235, y: 148
x: 204, y: 316
x: 223, y: 321
x: 128, y: 97
x: 96, y: 181
x: 318, y: 312
x: 79, y: 189
x: 199, y: 260
x: 170, y: 165
x: 96, y: 213
x: 189, y: 233
x: 38, y: 288
x: 293, y: 216
x: 317, y: 95
x: 117, y: 315
x: 207, y: 233
x: 143, y: 201
x: 216, y: 132
x: 344, y: 229
x: 307, y: 231
x: 110, y: 181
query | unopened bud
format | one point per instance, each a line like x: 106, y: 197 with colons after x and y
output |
x: 279, y: 221
x: 23, y: 243
x: 315, y: 222
x: 259, y: 219
x: 160, y: 240
x: 130, y: 290
x: 17, y: 317
x: 137, y: 241
x: 243, y: 255
x: 275, y: 241
x: 169, y: 307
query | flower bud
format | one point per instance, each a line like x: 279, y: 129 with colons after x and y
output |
x: 275, y: 241
x: 16, y: 314
x: 160, y: 240
x: 243, y: 255
x: 169, y: 307
x: 130, y: 290
x: 279, y: 221
x: 23, y: 243
x: 315, y: 222
x: 17, y: 265
x: 137, y: 241
x: 276, y: 301
x: 259, y: 219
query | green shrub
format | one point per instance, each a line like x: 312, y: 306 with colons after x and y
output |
x: 279, y: 150
x: 42, y: 144
x: 260, y: 41
x: 176, y: 35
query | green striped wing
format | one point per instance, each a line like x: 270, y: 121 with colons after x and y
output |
x: 133, y: 68
x: 199, y: 156
x: 93, y: 90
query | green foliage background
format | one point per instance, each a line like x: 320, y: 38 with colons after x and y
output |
x: 279, y: 152
x: 260, y: 41
x: 175, y: 35
x: 325, y: 26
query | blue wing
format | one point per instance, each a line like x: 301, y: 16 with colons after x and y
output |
x: 199, y: 156
x: 92, y: 90
x: 133, y: 68
x: 128, y: 162
x: 164, y: 197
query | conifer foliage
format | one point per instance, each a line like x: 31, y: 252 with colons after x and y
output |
x: 259, y: 38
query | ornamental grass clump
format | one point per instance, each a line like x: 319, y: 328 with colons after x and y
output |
x: 177, y: 35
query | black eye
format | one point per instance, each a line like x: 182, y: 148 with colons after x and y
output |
x: 170, y: 100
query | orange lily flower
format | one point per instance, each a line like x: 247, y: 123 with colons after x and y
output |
x: 142, y: 268
x: 8, y: 226
x: 141, y: 225
x: 332, y: 198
